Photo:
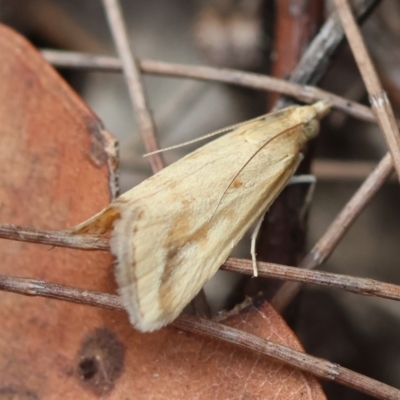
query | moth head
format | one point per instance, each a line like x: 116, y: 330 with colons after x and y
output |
x: 319, y: 110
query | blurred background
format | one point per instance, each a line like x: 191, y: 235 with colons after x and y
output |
x: 358, y: 332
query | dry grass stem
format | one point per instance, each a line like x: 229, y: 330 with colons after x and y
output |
x: 331, y: 238
x: 53, y: 238
x: 225, y: 75
x: 333, y: 170
x: 364, y: 286
x: 377, y: 96
x: 315, y: 60
x: 133, y: 81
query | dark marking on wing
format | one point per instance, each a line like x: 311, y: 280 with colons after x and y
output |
x: 237, y: 183
x: 177, y: 239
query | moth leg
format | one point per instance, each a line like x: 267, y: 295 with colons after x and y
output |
x: 253, y: 245
x: 311, y: 180
x: 307, y: 178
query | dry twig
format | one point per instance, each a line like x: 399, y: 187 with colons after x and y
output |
x: 315, y: 59
x: 316, y: 366
x: 133, y: 81
x: 363, y: 286
x: 308, y: 94
x: 331, y: 238
x: 54, y: 238
x: 333, y: 170
x: 377, y: 96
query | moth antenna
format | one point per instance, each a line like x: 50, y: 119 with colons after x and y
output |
x: 218, y: 132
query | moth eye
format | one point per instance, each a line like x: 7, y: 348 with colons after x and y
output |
x: 311, y: 129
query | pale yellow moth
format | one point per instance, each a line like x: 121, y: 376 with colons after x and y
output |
x: 172, y: 232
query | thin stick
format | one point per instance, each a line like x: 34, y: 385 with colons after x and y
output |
x: 35, y: 287
x: 78, y: 60
x: 377, y: 96
x: 54, y: 238
x: 133, y: 81
x: 310, y: 68
x: 324, y: 247
x: 316, y: 366
x: 331, y: 238
x: 333, y: 170
x: 304, y: 93
x: 315, y: 59
x: 362, y: 286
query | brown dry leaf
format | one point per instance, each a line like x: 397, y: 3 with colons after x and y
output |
x: 56, y: 170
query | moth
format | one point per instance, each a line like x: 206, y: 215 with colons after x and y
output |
x: 172, y: 232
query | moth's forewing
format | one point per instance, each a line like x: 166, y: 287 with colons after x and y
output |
x: 173, y: 231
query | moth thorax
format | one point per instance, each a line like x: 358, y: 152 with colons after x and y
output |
x: 311, y: 129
